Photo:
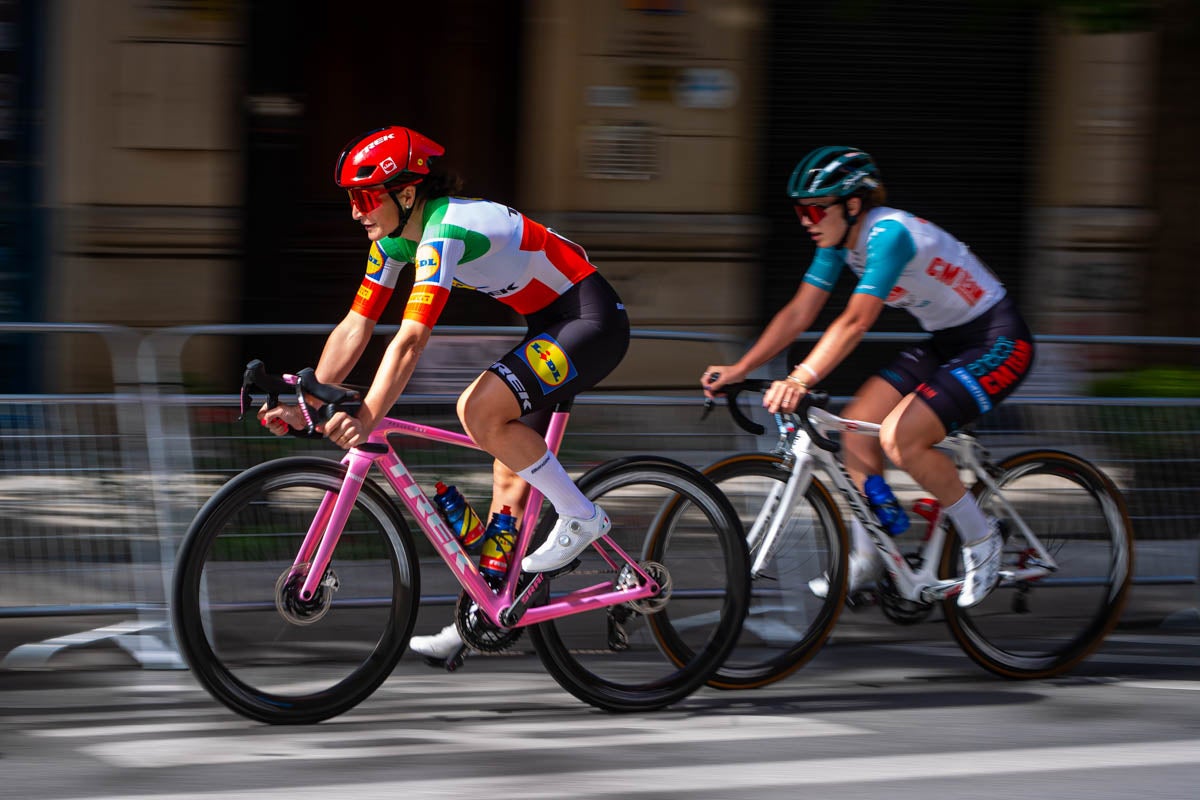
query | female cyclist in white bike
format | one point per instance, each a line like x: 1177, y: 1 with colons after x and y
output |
x: 578, y: 328
x: 979, y: 351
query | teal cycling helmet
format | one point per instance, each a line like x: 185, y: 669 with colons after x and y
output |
x: 833, y: 172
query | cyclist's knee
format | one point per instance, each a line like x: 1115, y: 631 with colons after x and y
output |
x: 905, y: 436
x: 485, y: 405
x: 892, y: 443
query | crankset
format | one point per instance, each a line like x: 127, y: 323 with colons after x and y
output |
x: 901, y: 610
x: 478, y: 632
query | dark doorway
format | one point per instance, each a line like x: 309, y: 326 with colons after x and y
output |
x: 943, y: 94
x: 319, y: 74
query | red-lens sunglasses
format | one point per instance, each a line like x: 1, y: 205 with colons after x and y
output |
x: 810, y: 212
x: 367, y: 200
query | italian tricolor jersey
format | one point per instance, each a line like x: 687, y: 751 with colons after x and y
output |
x: 478, y: 245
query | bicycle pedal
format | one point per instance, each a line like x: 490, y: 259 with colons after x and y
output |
x: 455, y: 661
x: 861, y: 600
x: 563, y: 570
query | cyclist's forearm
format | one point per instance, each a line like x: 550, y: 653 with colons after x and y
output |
x: 344, y: 347
x: 395, y: 369
x: 838, y: 341
x: 791, y: 321
x: 840, y: 338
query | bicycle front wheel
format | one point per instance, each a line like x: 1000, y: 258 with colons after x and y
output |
x: 249, y: 639
x: 652, y: 653
x: 787, y: 623
x: 1043, y: 627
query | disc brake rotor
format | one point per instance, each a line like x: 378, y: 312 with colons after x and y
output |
x: 628, y: 579
x: 303, y: 612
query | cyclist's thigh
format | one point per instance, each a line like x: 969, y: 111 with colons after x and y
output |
x: 873, y: 400
x: 911, y: 367
x: 984, y: 368
x: 569, y: 348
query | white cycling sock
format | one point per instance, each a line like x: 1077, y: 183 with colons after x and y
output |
x: 548, y: 476
x: 968, y: 519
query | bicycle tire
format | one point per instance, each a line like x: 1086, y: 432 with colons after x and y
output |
x: 787, y: 624
x: 1079, y: 515
x: 262, y: 659
x: 678, y: 518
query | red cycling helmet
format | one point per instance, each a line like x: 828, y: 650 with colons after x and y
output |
x: 393, y: 156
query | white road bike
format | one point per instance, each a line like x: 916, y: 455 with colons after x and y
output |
x: 1064, y: 579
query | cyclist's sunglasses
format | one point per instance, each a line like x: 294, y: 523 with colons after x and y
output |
x: 366, y: 199
x: 811, y: 212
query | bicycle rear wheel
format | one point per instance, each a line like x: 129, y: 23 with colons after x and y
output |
x: 1040, y: 628
x: 690, y: 538
x: 786, y: 624
x: 248, y: 638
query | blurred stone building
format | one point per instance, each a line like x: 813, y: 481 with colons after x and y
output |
x: 186, y: 147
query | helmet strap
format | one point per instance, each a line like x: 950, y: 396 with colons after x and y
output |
x: 850, y: 220
x: 405, y: 213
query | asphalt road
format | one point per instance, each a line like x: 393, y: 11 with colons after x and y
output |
x: 894, y: 716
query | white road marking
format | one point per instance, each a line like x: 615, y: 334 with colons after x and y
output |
x: 742, y: 777
x: 501, y: 735
x: 1191, y: 686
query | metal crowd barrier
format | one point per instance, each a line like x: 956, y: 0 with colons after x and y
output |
x: 97, y: 490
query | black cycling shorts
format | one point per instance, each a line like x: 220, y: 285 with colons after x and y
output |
x: 963, y: 372
x: 570, y: 346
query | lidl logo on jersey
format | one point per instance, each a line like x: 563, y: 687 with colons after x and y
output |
x: 375, y: 259
x: 429, y: 260
x: 548, y: 361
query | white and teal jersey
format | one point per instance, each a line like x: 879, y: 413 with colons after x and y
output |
x: 911, y: 263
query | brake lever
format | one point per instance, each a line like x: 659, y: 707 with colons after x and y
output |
x: 310, y: 427
x: 709, y: 402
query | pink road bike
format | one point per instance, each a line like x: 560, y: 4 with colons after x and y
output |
x: 297, y: 585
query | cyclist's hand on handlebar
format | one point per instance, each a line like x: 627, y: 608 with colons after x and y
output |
x: 345, y: 431
x: 783, y: 396
x: 280, y: 418
x: 716, y: 376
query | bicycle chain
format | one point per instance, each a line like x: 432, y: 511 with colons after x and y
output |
x: 481, y: 634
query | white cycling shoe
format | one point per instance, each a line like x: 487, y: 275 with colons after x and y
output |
x: 570, y: 537
x: 439, y: 646
x: 982, y: 562
x: 865, y: 567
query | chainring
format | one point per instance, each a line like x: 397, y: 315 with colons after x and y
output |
x: 478, y: 632
x: 898, y: 609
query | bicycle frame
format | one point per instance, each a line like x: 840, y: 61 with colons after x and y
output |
x: 922, y: 585
x: 317, y: 549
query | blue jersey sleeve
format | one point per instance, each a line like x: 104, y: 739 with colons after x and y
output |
x: 889, y: 248
x: 826, y: 264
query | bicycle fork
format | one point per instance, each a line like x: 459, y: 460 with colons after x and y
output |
x: 763, y: 537
x: 316, y: 551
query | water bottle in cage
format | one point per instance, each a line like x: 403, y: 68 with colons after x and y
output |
x: 498, y: 545
x: 460, y: 516
x: 885, y: 505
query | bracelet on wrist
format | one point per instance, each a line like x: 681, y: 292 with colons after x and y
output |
x: 794, y: 379
x: 811, y: 371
